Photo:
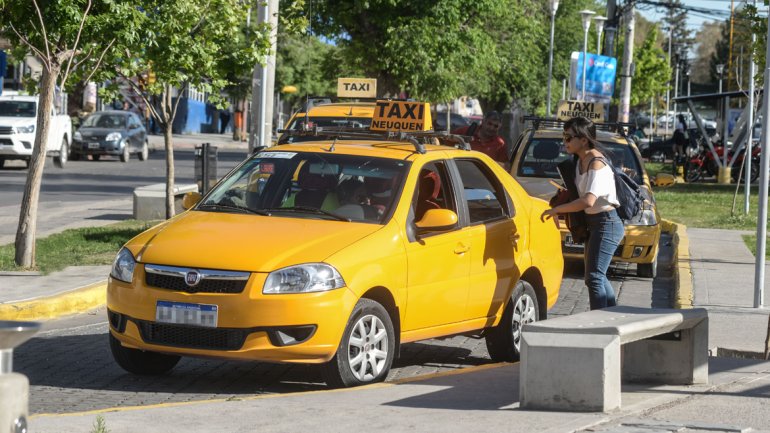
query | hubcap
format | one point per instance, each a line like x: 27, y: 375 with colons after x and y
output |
x: 523, y: 313
x: 367, y: 348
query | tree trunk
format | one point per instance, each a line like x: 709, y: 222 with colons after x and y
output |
x: 167, y: 138
x: 25, y: 233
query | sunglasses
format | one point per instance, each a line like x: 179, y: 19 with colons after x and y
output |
x: 568, y: 137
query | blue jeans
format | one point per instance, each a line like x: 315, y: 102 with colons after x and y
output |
x: 605, y: 231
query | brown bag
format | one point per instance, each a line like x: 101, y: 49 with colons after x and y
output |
x: 576, y: 221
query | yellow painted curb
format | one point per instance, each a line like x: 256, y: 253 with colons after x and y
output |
x: 72, y: 302
x: 683, y: 291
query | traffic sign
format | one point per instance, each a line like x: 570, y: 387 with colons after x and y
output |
x: 568, y: 109
x: 401, y: 116
x: 357, y: 87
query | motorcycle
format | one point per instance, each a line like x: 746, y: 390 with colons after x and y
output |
x: 701, y: 163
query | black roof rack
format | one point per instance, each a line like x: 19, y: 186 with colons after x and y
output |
x: 416, y: 138
x: 544, y: 122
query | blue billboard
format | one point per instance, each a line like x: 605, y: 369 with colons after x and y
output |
x: 600, y: 76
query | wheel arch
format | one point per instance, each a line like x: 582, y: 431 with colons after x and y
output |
x: 384, y: 297
x: 535, y: 279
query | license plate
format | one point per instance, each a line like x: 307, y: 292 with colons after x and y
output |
x: 93, y: 145
x: 186, y: 314
x: 568, y: 242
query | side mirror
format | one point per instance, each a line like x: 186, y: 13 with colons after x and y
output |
x: 190, y: 199
x: 664, y: 179
x: 437, y: 220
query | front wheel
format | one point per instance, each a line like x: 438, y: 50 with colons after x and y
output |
x: 504, y: 340
x: 139, y: 361
x: 60, y: 160
x: 647, y: 270
x: 692, y: 172
x: 145, y: 153
x: 126, y: 155
x: 367, y: 348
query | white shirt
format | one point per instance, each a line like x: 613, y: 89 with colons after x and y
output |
x: 600, y: 183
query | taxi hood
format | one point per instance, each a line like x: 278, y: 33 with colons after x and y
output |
x: 250, y: 243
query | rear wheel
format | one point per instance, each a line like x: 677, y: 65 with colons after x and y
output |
x: 504, y: 340
x: 60, y: 160
x: 139, y: 361
x: 96, y: 157
x: 367, y: 348
x: 692, y: 172
x: 2, y: 162
x: 647, y: 270
x: 74, y: 156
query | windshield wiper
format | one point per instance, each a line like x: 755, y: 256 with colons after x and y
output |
x: 225, y: 207
x: 308, y: 209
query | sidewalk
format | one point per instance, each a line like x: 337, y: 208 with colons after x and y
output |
x: 482, y: 398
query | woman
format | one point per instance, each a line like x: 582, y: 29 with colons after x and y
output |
x: 595, y: 183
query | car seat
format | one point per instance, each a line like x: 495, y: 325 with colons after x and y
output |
x: 315, y: 190
x: 379, y: 191
x: 545, y: 154
x: 428, y: 188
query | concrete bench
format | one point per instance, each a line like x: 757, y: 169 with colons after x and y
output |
x: 575, y: 362
x: 150, y: 200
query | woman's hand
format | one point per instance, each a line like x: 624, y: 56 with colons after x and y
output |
x: 550, y: 214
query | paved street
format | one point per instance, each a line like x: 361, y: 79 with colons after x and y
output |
x: 70, y: 367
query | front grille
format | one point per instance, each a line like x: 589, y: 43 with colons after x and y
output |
x: 208, y: 280
x: 205, y: 286
x: 6, y: 130
x: 6, y: 142
x: 192, y: 337
x: 580, y: 250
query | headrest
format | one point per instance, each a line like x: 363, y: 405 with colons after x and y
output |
x: 376, y: 185
x: 546, y: 150
x: 430, y: 185
x: 308, y: 180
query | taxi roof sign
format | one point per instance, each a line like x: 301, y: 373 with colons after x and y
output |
x: 357, y: 87
x: 401, y: 116
x: 568, y: 109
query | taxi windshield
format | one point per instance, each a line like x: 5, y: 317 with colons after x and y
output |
x: 323, y: 122
x: 311, y: 185
x: 543, y: 154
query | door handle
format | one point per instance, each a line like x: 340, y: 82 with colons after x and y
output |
x: 461, y: 248
x: 514, y: 237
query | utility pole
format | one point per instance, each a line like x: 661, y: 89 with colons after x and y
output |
x: 612, y: 28
x: 668, y: 92
x: 628, y: 58
x: 263, y: 82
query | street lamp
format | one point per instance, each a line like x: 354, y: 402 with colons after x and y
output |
x: 599, y: 30
x: 586, y: 16
x: 720, y: 69
x: 554, y: 8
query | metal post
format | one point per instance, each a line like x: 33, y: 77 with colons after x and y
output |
x: 205, y: 167
x: 649, y: 139
x: 554, y: 6
x: 668, y: 92
x: 759, y: 267
x: 676, y: 89
x: 586, y: 17
x: 263, y: 81
x: 750, y: 123
x: 628, y: 59
x: 564, y: 89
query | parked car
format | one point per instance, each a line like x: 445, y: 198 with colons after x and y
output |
x: 354, y: 115
x: 336, y: 253
x: 536, y: 155
x: 457, y: 121
x: 115, y: 133
x: 18, y: 120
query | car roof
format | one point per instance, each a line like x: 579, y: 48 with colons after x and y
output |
x: 339, y: 109
x: 601, y: 135
x: 19, y: 98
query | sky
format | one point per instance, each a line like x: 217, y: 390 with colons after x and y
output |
x: 720, y: 8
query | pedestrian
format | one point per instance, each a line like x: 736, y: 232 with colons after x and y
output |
x: 680, y: 137
x: 224, y: 117
x: 595, y: 183
x: 485, y: 138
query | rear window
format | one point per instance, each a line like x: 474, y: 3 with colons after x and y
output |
x: 541, y: 156
x: 323, y: 122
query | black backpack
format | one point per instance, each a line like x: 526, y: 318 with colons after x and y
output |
x: 628, y: 192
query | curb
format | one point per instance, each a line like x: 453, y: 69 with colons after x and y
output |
x: 683, y: 291
x: 72, y: 302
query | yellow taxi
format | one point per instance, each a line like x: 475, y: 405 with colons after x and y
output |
x: 539, y: 150
x: 336, y: 253
x: 354, y: 115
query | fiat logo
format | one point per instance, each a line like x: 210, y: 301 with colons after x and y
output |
x: 192, y: 278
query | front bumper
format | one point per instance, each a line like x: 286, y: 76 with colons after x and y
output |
x: 16, y: 146
x: 639, y: 245
x: 251, y: 325
x: 97, y: 147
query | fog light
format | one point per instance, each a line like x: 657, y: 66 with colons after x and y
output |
x: 290, y: 336
x: 637, y: 251
x: 26, y: 144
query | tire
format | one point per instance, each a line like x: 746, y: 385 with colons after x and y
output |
x: 692, y: 172
x: 145, y: 153
x: 126, y: 155
x: 647, y: 270
x: 74, y: 156
x: 96, y: 157
x: 366, y: 362
x: 60, y: 160
x: 504, y: 340
x: 2, y: 162
x: 658, y: 156
x: 139, y: 361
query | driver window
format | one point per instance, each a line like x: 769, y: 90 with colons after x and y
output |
x: 433, y: 190
x: 483, y: 192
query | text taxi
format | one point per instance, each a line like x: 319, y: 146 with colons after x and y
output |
x: 335, y: 253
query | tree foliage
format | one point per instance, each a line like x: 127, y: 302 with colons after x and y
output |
x: 307, y: 63
x: 652, y: 70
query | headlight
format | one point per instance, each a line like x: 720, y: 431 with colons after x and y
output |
x: 123, y: 266
x: 29, y: 129
x: 646, y: 219
x: 113, y: 136
x: 310, y: 277
x: 77, y: 136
